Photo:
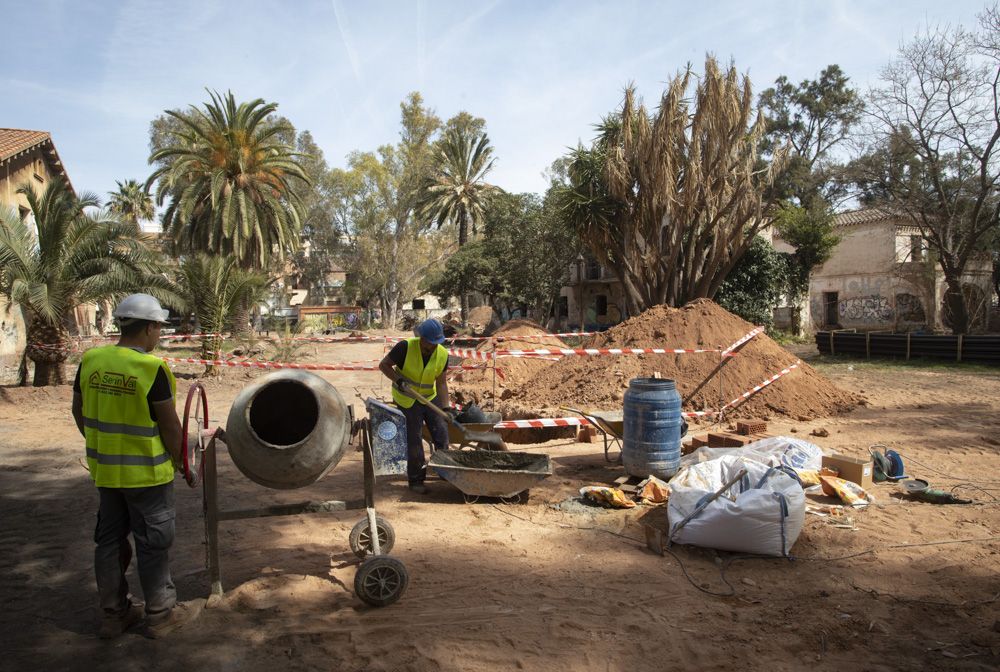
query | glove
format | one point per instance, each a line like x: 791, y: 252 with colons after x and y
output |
x: 402, y: 386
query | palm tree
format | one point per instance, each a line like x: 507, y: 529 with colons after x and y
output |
x: 227, y: 176
x: 457, y: 191
x: 215, y: 289
x: 131, y: 202
x: 75, y: 258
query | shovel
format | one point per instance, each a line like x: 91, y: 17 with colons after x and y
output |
x: 487, y: 440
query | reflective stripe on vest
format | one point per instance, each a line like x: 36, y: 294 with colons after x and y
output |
x: 421, y: 377
x: 124, y: 448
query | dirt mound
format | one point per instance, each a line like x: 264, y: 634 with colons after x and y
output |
x: 482, y: 319
x: 479, y: 386
x: 600, y: 382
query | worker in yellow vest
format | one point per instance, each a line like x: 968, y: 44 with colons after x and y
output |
x: 421, y: 363
x: 123, y: 404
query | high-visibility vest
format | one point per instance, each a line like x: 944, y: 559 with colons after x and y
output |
x: 124, y: 448
x: 421, y: 378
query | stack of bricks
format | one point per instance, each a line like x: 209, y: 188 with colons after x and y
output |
x: 747, y: 431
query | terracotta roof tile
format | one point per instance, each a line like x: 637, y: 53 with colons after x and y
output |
x: 14, y: 141
x: 866, y: 216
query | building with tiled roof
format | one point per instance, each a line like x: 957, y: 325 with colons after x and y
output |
x: 882, y: 275
x: 26, y: 157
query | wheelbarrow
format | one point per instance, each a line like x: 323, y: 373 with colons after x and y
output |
x: 489, y: 473
x: 611, y: 425
x: 456, y: 436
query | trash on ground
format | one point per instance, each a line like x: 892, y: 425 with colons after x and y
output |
x: 608, y: 497
x: 849, y: 493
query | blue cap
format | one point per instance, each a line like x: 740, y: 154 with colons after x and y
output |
x: 432, y: 331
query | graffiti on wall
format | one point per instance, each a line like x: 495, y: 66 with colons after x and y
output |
x: 909, y: 308
x: 866, y: 309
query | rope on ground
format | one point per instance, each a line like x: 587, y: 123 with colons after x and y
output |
x: 895, y: 546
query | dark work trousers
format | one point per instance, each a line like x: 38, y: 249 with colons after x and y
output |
x: 148, y: 513
x: 416, y: 416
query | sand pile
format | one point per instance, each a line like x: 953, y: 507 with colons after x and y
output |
x: 600, y: 382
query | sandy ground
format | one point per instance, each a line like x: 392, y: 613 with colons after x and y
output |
x: 547, y: 585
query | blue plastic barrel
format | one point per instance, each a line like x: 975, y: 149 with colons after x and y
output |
x: 653, y: 428
x: 388, y: 434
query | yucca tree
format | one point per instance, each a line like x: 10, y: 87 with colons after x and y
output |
x: 215, y: 289
x: 457, y: 190
x: 76, y: 257
x: 131, y: 202
x: 226, y: 177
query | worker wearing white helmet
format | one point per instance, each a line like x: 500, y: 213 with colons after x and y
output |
x: 123, y: 404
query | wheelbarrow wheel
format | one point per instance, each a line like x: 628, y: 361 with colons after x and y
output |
x: 380, y: 581
x: 361, y: 537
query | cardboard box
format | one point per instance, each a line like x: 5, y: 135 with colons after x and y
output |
x: 851, y: 469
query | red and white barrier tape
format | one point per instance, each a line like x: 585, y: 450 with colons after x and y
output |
x: 758, y: 388
x: 251, y: 364
x: 602, y: 351
x: 571, y: 422
x: 744, y: 339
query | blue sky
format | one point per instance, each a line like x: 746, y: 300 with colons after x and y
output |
x: 541, y: 73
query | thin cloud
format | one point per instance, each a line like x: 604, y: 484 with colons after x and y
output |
x: 345, y: 38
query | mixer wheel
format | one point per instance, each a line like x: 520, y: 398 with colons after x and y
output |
x: 380, y: 581
x: 361, y: 537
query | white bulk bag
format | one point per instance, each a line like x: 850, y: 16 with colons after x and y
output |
x: 763, y: 513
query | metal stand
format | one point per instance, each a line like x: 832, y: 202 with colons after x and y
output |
x: 387, y: 575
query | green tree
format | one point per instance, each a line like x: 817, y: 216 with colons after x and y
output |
x: 215, y: 289
x: 131, y: 203
x: 389, y: 250
x: 810, y: 231
x: 228, y: 178
x: 521, y: 260
x: 76, y: 257
x: 813, y: 118
x: 670, y: 201
x: 457, y: 191
x: 756, y: 283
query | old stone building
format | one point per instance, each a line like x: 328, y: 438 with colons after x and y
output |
x: 26, y: 157
x: 882, y: 276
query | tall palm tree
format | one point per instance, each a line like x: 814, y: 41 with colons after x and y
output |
x: 75, y: 258
x: 131, y: 202
x: 215, y: 289
x: 457, y: 190
x: 227, y: 176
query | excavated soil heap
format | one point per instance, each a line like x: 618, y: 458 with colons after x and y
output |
x: 473, y: 386
x: 600, y: 382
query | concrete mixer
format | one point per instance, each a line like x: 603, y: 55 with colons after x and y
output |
x: 287, y: 430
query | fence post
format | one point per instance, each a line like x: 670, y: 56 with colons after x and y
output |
x: 958, y: 350
x: 831, y: 342
x: 868, y: 344
x: 907, y: 346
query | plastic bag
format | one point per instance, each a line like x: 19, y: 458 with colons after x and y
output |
x: 850, y: 493
x: 612, y: 498
x: 774, y: 451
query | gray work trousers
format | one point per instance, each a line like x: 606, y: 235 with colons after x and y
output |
x: 148, y: 513
x: 416, y: 416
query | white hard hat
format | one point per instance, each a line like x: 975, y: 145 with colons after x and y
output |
x: 140, y: 307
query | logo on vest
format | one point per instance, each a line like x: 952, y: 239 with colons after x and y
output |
x: 116, y: 384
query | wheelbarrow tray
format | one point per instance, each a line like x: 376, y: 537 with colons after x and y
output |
x: 488, y: 473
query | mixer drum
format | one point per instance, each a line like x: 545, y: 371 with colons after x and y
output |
x: 287, y: 429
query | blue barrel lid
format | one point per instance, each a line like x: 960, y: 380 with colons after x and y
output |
x: 652, y: 384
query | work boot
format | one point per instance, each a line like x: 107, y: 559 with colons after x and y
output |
x: 418, y: 488
x: 114, y: 624
x: 162, y: 624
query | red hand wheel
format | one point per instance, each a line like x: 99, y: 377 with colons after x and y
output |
x: 194, y: 432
